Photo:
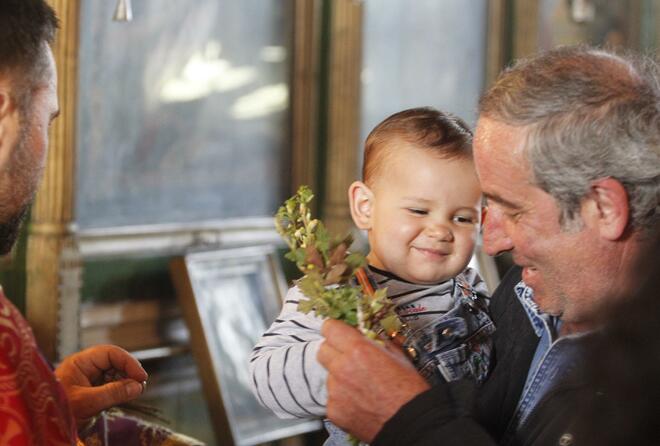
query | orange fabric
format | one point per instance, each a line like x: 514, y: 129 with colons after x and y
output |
x: 33, y: 406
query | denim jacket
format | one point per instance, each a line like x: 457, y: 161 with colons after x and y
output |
x: 555, y: 358
x: 458, y: 344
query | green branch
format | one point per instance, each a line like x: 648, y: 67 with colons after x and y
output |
x: 329, y: 270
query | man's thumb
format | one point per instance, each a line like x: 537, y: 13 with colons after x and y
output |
x: 117, y: 392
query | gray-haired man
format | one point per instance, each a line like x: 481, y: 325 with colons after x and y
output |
x: 567, y: 149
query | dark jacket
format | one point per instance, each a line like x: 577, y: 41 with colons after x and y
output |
x: 457, y: 413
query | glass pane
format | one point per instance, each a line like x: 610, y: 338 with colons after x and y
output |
x: 422, y: 53
x: 629, y: 24
x: 649, y: 25
x: 183, y: 112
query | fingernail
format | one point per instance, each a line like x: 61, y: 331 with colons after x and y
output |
x: 134, y: 388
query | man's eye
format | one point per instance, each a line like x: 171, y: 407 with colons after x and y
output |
x: 513, y: 217
x: 512, y: 214
x: 53, y: 117
x: 418, y: 211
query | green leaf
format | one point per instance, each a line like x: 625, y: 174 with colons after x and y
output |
x: 310, y: 287
x: 329, y: 269
x: 391, y: 324
x: 355, y: 260
x: 305, y: 306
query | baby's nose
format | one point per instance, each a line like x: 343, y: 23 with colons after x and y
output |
x: 441, y: 232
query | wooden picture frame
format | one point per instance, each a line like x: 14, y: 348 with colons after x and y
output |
x: 228, y: 298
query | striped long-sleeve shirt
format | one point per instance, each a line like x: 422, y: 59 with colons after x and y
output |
x: 285, y: 375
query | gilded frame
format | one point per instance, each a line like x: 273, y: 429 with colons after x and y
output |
x: 228, y: 298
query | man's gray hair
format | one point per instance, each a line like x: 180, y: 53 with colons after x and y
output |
x: 590, y: 114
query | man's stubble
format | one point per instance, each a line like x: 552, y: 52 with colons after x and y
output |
x: 21, y: 179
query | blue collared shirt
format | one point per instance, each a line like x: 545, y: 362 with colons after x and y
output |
x: 553, y: 359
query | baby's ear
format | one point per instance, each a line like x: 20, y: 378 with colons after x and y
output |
x: 361, y: 200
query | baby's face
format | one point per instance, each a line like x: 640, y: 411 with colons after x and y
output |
x: 424, y: 215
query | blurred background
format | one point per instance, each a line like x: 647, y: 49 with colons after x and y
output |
x: 185, y: 127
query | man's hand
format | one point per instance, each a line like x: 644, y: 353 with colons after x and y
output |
x: 367, y: 383
x: 88, y: 379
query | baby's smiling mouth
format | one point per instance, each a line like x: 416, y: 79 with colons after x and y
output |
x: 431, y: 252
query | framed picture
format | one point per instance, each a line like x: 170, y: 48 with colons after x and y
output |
x: 229, y: 297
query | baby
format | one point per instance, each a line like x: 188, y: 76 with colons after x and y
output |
x: 420, y: 203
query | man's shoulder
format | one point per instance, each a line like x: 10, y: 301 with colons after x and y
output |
x: 504, y: 296
x: 510, y: 279
x: 510, y: 318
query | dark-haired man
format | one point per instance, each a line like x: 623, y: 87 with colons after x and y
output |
x: 567, y: 149
x: 35, y: 407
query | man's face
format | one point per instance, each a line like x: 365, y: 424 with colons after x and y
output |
x: 424, y: 216
x: 561, y: 266
x: 24, y: 146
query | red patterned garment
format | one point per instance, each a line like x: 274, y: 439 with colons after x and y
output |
x: 33, y: 407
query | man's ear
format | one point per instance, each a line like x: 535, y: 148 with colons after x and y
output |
x: 8, y: 113
x: 5, y: 108
x: 9, y: 121
x: 361, y: 200
x: 607, y: 208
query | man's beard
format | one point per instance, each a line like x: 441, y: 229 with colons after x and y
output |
x: 10, y: 229
x: 23, y: 173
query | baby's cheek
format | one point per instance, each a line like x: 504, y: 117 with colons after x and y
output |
x: 469, y: 240
x: 405, y: 231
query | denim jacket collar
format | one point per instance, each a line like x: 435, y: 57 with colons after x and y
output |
x: 537, y: 319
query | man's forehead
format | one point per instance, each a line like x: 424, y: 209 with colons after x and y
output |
x: 50, y: 70
x: 488, y: 128
x: 501, y: 162
x: 496, y: 141
x: 48, y: 83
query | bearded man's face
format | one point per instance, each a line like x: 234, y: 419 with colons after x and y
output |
x: 9, y: 231
x: 21, y: 169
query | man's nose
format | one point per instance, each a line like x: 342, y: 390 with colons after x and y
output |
x: 495, y: 238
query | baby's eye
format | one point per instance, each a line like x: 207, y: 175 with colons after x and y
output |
x: 418, y: 211
x: 462, y: 219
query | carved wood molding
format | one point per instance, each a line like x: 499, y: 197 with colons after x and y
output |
x: 526, y: 27
x: 52, y: 211
x: 343, y: 111
x: 497, y: 38
x: 305, y: 87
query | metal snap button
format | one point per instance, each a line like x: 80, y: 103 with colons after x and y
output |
x: 447, y: 332
x: 471, y: 308
x: 566, y: 439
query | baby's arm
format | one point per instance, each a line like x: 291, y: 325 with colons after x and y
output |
x: 285, y: 375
